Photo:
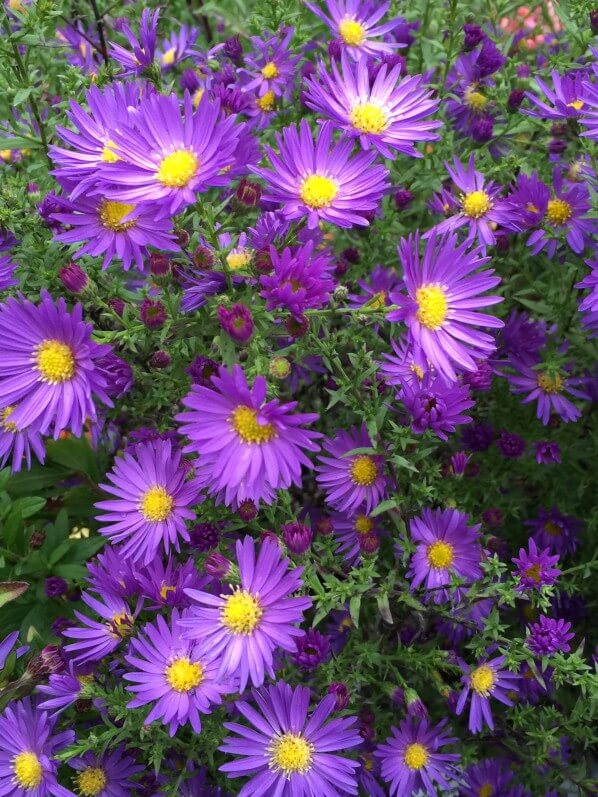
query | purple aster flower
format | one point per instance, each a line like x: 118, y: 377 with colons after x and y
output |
x: 341, y: 694
x: 313, y: 648
x: 152, y: 500
x: 237, y: 322
x: 459, y: 462
x: 488, y: 679
x: 376, y: 288
x: 84, y: 47
x: 48, y: 377
x: 108, y: 775
x: 547, y: 452
x: 411, y: 761
x: 563, y: 101
x: 435, y: 405
x: 111, y: 573
x: 442, y: 298
x: 590, y: 281
x: 199, y: 286
x: 248, y: 448
x: 549, y: 636
x: 271, y: 67
x: 171, y: 152
x: 176, y: 47
x: 350, y: 481
x: 354, y: 24
x: 7, y: 269
x: 6, y: 646
x: 118, y: 373
x: 140, y: 56
x: 405, y: 367
x: 245, y: 626
x: 27, y: 750
x: 17, y: 444
x: 271, y: 227
x: 164, y: 585
x: 201, y: 370
x: 172, y: 673
x: 529, y: 199
x: 491, y: 776
x: 297, y: 537
x: 546, y: 386
x: 510, y: 445
x: 446, y: 547
x: 521, y: 338
x: 589, y: 109
x: 320, y: 179
x: 555, y: 531
x: 386, y: 113
x: 478, y: 436
x: 62, y: 689
x: 350, y: 533
x: 300, y: 280
x: 490, y: 59
x: 55, y: 586
x: 287, y: 753
x: 74, y: 278
x: 99, y: 639
x: 535, y: 569
x: 481, y: 378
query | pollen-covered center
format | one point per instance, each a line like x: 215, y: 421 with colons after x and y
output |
x: 368, y: 118
x: 184, y: 675
x: 10, y: 426
x: 246, y: 424
x: 474, y: 99
x: 364, y: 471
x: 318, y: 191
x: 577, y: 104
x: 55, y: 361
x: 241, y: 612
x: 482, y: 679
x: 364, y: 524
x: 550, y: 383
x: 351, y: 31
x: 440, y: 554
x: 28, y: 770
x: 91, y: 781
x: 108, y: 155
x: 168, y: 57
x: 178, y: 169
x: 558, y: 211
x: 432, y: 306
x: 239, y: 258
x: 121, y: 625
x: 165, y: 591
x: 552, y: 529
x: 534, y: 573
x: 156, y: 504
x: 486, y: 790
x: 291, y: 753
x: 266, y: 101
x: 269, y: 70
x: 113, y: 213
x: 476, y: 204
x: 415, y: 756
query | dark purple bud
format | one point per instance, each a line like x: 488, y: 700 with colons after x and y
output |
x: 160, y: 359
x: 118, y: 305
x: 473, y: 35
x: 297, y: 537
x: 341, y: 693
x: 351, y: 255
x: 262, y: 262
x: 556, y: 146
x: 37, y: 539
x: 190, y: 81
x: 297, y: 327
x: 503, y: 242
x: 312, y: 649
x: 547, y: 452
x: 204, y: 537
x: 159, y: 264
x: 493, y: 518
x: 369, y: 543
x: 247, y: 510
x: 217, y: 565
x: 48, y: 662
x: 510, y: 445
x: 237, y: 322
x: 335, y: 50
x: 55, y: 586
x: 203, y: 257
x: 414, y: 704
x: 201, y: 370
x: 60, y: 625
x: 490, y: 59
x: 516, y: 97
x: 480, y: 379
x: 403, y: 198
x: 32, y: 188
x: 523, y: 70
x: 341, y: 268
x: 594, y: 21
x: 233, y: 49
x: 323, y: 526
x: 482, y: 128
x: 49, y: 205
x: 152, y: 313
x: 248, y: 193
x: 73, y: 278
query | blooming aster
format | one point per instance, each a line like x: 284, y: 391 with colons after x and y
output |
x: 410, y: 759
x: 386, y: 113
x: 549, y: 636
x: 165, y: 584
x: 547, y: 452
x: 435, y: 405
x: 142, y: 50
x: 320, y: 179
x: 488, y: 679
x: 63, y: 689
x: 176, y: 47
x: 271, y: 67
x: 300, y: 280
x: 99, y: 639
x: 535, y: 568
x: 356, y: 534
x: 244, y: 627
x: 376, y: 288
x: 248, y: 448
x: 27, y: 748
x: 18, y: 444
x: 547, y: 387
x: 555, y: 531
x: 486, y: 778
x: 563, y: 101
x: 108, y: 775
x: 288, y: 753
x: 152, y: 500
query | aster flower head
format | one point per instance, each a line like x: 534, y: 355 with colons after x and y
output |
x: 271, y: 67
x: 351, y: 481
x: 248, y: 448
x: 164, y: 585
x: 536, y: 567
x: 405, y: 366
x: 354, y: 535
x: 376, y: 288
x: 140, y: 56
x: 442, y: 300
x: 547, y: 452
x: 287, y: 751
x: 548, y: 387
x: 432, y: 404
x: 555, y: 531
x: 108, y: 775
x: 111, y: 573
x: 320, y: 180
x: 565, y: 100
x: 589, y: 110
x: 549, y: 636
x: 63, y: 689
x: 243, y: 627
x: 488, y: 777
x: 237, y: 322
x: 529, y: 199
x: 411, y: 761
x: 18, y: 445
x: 83, y: 46
x: 387, y: 113
x: 488, y: 679
x: 176, y: 47
x: 313, y: 648
x: 354, y: 24
x: 97, y: 639
x: 27, y: 749
x: 301, y: 279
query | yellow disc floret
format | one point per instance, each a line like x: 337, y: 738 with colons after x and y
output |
x: 474, y: 100
x: 55, y: 361
x: 168, y: 57
x: 476, y: 204
x: 364, y: 471
x: 108, y: 156
x: 415, y: 756
x: 550, y: 383
x: 432, y: 306
x: 241, y: 612
x: 178, y: 169
x: 184, y: 675
x: 577, y: 104
x: 28, y: 770
x: 291, y: 753
x: 266, y: 102
x: 10, y: 426
x: 482, y: 679
x: 352, y: 32
x: 239, y: 258
x: 245, y: 423
x: 113, y: 213
x: 270, y: 70
x: 363, y: 524
x: 440, y: 554
x: 486, y: 790
x: 318, y: 191
x: 369, y: 118
x: 91, y: 781
x: 156, y: 504
x: 558, y: 211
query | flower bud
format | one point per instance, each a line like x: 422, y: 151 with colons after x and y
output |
x: 341, y: 693
x: 297, y: 537
x: 247, y: 510
x: 159, y: 264
x: 279, y: 368
x: 160, y: 359
x: 48, y: 661
x: 73, y: 278
x: 218, y: 565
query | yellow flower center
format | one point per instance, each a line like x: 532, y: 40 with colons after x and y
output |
x: 558, y: 211
x: 318, y: 191
x: 156, y: 504
x: 377, y: 301
x: 476, y: 204
x: 266, y: 102
x: 55, y: 361
x: 197, y: 97
x: 482, y: 679
x: 474, y: 100
x: 415, y: 756
x: 165, y: 591
x: 577, y: 104
x: 28, y: 770
x: 168, y: 57
x: 121, y: 625
x: 245, y: 422
x: 239, y: 259
x: 91, y: 781
x: 368, y: 118
x: 178, y: 169
x: 113, y: 213
x: 533, y: 572
x: 5, y: 423
x: 242, y: 612
x: 417, y: 370
x: 291, y: 753
x: 551, y: 528
x: 550, y: 383
x: 352, y: 32
x: 364, y: 471
x: 364, y: 524
x: 440, y: 554
x: 486, y: 790
x: 184, y: 675
x: 432, y: 306
x: 108, y: 156
x: 270, y: 70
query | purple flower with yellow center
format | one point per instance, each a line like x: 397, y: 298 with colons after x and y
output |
x: 171, y: 153
x: 245, y: 626
x: 109, y: 572
x: 320, y: 179
x: 287, y: 752
x: 99, y: 639
x: 108, y: 775
x: 488, y: 778
x: 248, y: 448
x: 17, y: 445
x: 411, y: 761
x: 432, y: 404
x: 589, y: 109
x: 549, y: 636
x: 173, y: 674
x: 376, y: 288
x: 565, y: 100
x: 354, y: 24
x: 7, y: 270
x: 529, y: 199
x: 480, y: 208
x: 442, y: 300
x: 404, y: 367
x: 350, y: 532
x: 301, y: 279
x: 83, y: 45
x: 176, y: 47
x: 140, y: 56
x: 536, y: 568
x: 446, y: 547
x: 546, y: 386
x: 555, y: 531
x: 63, y: 689
x: 271, y: 67
x: 48, y: 375
x: 387, y: 113
x: 351, y: 481
x: 27, y: 748
x: 165, y: 585
x: 590, y: 282
x: 488, y: 679
x: 313, y: 648
x: 152, y: 500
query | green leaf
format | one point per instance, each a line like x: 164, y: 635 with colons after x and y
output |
x: 11, y: 590
x: 383, y: 506
x: 75, y: 454
x: 27, y: 507
x: 354, y: 607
